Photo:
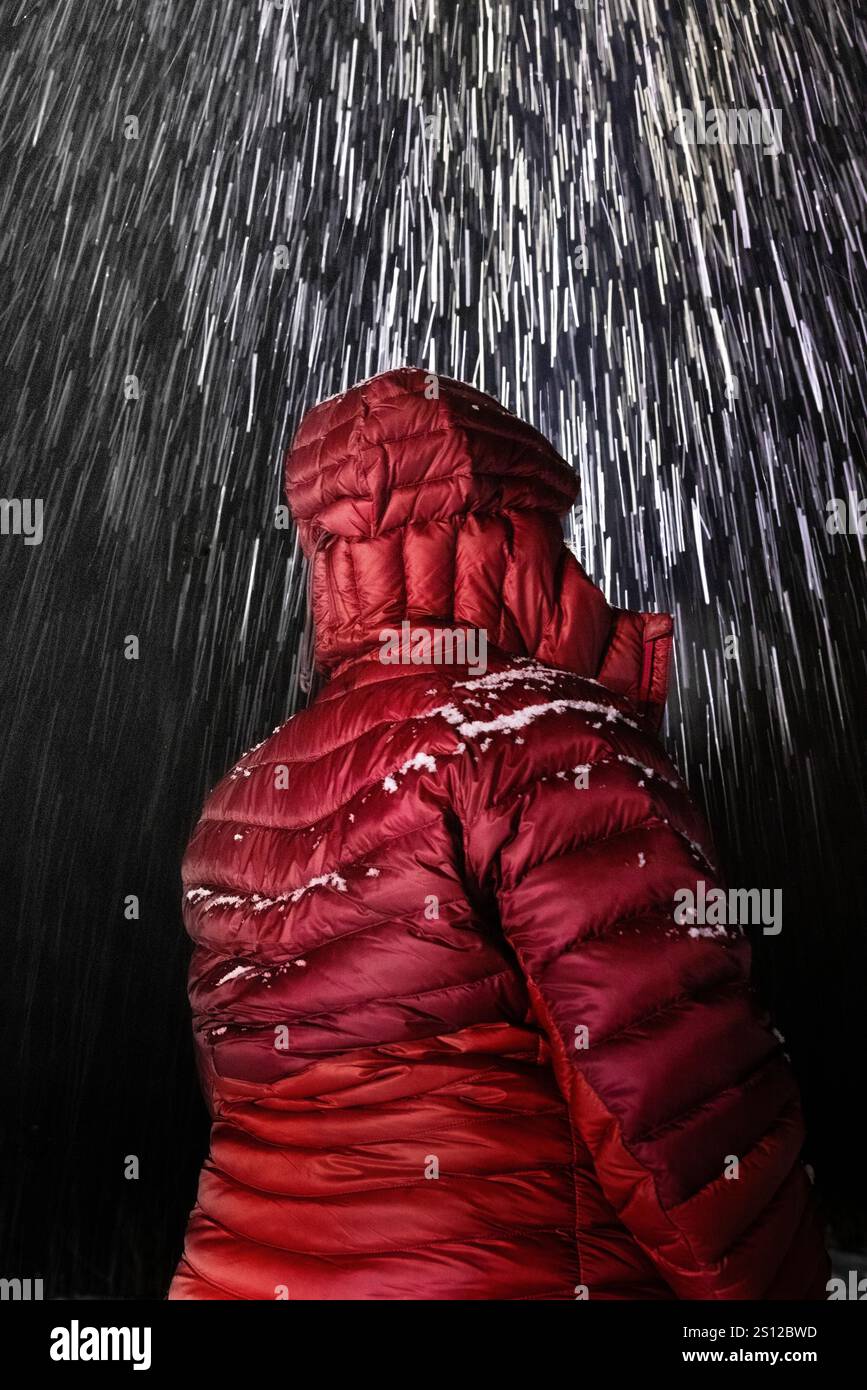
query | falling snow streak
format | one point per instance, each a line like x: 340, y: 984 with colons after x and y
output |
x: 248, y: 207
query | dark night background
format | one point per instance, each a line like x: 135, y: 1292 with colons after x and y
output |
x: 493, y: 191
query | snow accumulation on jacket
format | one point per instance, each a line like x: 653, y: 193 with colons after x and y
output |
x: 455, y: 1043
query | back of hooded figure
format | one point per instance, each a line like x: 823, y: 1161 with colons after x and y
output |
x: 455, y: 1040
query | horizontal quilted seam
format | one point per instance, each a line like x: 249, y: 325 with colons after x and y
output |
x: 520, y: 789
x: 647, y: 912
x: 423, y: 716
x: 410, y: 918
x: 310, y: 826
x: 453, y: 518
x: 496, y: 1233
x: 345, y: 865
x: 611, y: 760
x: 652, y: 1136
x: 659, y: 910
x: 574, y: 849
x: 494, y: 421
x: 329, y: 696
x: 449, y: 987
x: 475, y: 1116
x: 206, y: 1279
x: 390, y: 723
x: 529, y: 449
x: 660, y: 1011
x: 447, y: 1178
x: 314, y: 757
x: 467, y: 1122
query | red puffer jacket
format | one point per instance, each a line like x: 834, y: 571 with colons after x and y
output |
x: 455, y: 1043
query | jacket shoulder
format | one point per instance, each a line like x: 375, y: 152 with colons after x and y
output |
x: 526, y: 721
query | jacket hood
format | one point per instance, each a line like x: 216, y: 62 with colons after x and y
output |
x: 419, y: 497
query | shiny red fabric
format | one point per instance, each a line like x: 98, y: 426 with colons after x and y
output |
x: 454, y: 1043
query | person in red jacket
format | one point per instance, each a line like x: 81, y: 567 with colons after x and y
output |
x: 456, y: 1037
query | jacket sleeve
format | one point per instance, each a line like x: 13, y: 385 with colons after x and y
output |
x: 675, y: 1083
